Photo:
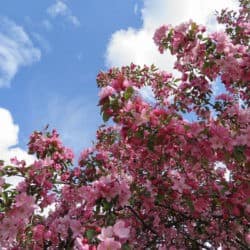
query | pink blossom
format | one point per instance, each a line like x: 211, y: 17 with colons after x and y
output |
x: 8, y: 229
x: 22, y: 186
x: 24, y: 200
x: 128, y: 83
x: 124, y: 192
x: 76, y: 227
x: 160, y: 33
x: 106, y: 233
x: 247, y: 238
x: 38, y: 232
x: 47, y: 235
x: 221, y: 40
x: 109, y: 244
x: 121, y: 230
x: 106, y: 91
x: 18, y: 163
x: 79, y: 245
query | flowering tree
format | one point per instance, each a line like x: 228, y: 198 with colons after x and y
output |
x: 154, y: 180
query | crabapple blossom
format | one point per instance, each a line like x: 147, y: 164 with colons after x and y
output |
x: 169, y: 174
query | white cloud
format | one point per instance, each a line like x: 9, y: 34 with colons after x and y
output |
x: 47, y: 25
x: 61, y: 9
x: 16, y: 50
x: 8, y: 144
x: 9, y: 139
x: 44, y: 43
x: 137, y: 46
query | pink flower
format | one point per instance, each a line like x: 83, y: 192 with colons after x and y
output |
x: 65, y: 176
x: 18, y: 163
x: 76, y: 227
x: 79, y: 245
x: 247, y: 238
x: 124, y: 193
x: 160, y: 33
x: 22, y: 186
x: 221, y: 40
x: 106, y: 91
x: 77, y: 172
x: 117, y: 84
x: 109, y: 244
x: 201, y: 205
x: 105, y: 233
x: 24, y: 200
x: 127, y: 83
x: 47, y: 235
x: 121, y: 230
x: 8, y: 229
x: 84, y: 156
x: 38, y: 232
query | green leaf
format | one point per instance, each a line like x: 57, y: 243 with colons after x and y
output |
x: 190, y: 204
x: 238, y: 153
x: 128, y: 93
x: 6, y: 185
x: 90, y: 233
x: 186, y: 127
x: 8, y: 168
x: 114, y: 103
x: 5, y: 197
x: 194, y: 26
x: 160, y: 197
x: 106, y: 205
x: 139, y: 134
x: 151, y: 143
x: 126, y: 247
x: 105, y: 116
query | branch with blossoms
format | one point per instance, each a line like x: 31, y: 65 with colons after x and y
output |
x: 156, y: 179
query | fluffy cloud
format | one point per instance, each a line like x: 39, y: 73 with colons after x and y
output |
x: 9, y: 139
x: 16, y: 50
x: 136, y: 45
x: 61, y: 9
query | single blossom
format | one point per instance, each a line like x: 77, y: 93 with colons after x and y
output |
x: 109, y: 244
x: 121, y: 230
x: 106, y: 233
x: 106, y: 91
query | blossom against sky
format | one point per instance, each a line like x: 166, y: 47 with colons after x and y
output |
x: 51, y: 51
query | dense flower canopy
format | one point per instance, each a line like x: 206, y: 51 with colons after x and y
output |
x: 156, y: 179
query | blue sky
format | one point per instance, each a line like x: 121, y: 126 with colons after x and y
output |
x: 51, y: 51
x: 59, y: 87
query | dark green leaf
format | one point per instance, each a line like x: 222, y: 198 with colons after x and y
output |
x: 106, y: 205
x: 105, y: 116
x: 90, y: 233
x: 128, y: 93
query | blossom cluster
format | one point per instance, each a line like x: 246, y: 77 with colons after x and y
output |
x: 156, y: 179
